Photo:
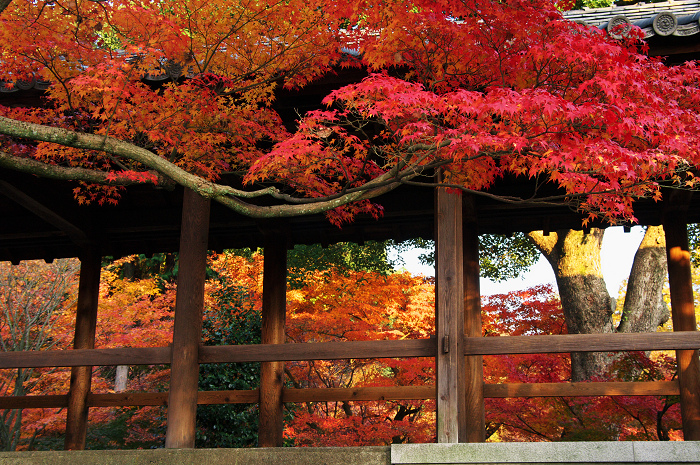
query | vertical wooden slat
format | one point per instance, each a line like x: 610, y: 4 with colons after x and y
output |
x: 474, y: 399
x: 682, y: 307
x: 449, y: 318
x: 274, y: 308
x: 85, y: 325
x: 187, y: 331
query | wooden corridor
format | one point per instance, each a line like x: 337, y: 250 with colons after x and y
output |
x: 42, y: 220
x: 457, y: 347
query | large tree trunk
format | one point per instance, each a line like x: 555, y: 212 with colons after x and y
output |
x: 575, y: 258
x: 644, y: 308
x: 588, y: 308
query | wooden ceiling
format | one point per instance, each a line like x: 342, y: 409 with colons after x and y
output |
x: 42, y: 220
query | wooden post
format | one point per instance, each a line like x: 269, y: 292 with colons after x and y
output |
x: 449, y: 318
x: 274, y: 309
x: 682, y: 307
x: 474, y: 400
x: 85, y: 325
x: 187, y: 331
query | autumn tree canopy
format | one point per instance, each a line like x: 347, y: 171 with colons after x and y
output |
x: 477, y: 88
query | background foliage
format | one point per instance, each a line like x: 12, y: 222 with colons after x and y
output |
x: 338, y: 303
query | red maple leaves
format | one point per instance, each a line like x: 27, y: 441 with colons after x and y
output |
x: 477, y: 88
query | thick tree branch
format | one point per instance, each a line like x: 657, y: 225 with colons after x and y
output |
x: 225, y: 195
x: 545, y: 244
x: 66, y: 173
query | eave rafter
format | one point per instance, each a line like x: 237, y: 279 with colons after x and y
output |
x: 77, y: 235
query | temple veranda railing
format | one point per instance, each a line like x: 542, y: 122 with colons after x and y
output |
x: 505, y: 345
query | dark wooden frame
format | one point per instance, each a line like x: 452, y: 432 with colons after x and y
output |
x: 458, y: 346
x: 366, y: 349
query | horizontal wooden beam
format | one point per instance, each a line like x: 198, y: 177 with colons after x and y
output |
x: 507, y: 345
x: 318, y: 351
x: 221, y: 354
x: 128, y: 399
x: 363, y: 393
x: 356, y: 349
x: 86, y: 357
x: 16, y: 402
x: 645, y: 388
x: 248, y: 396
x: 123, y: 399
x: 378, y: 393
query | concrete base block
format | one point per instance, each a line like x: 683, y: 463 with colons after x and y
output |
x: 657, y: 452
x: 614, y: 453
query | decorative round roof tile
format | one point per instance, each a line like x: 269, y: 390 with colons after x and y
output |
x: 619, y: 26
x: 174, y: 69
x: 7, y: 87
x: 665, y: 23
x: 679, y: 18
x: 25, y: 84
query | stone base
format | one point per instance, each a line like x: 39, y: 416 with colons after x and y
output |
x: 540, y: 453
x: 266, y: 456
x: 617, y: 453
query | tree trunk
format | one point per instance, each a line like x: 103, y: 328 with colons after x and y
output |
x: 644, y: 309
x: 586, y: 303
x: 575, y: 258
x: 121, y: 378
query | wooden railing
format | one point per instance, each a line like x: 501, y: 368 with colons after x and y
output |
x: 359, y: 349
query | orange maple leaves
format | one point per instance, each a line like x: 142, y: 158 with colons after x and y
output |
x: 102, y: 62
x: 357, y: 305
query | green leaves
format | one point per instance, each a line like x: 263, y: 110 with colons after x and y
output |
x: 343, y: 256
x: 233, y: 320
x: 501, y: 257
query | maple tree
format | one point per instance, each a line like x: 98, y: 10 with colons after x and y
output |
x: 232, y: 316
x: 38, y: 305
x: 355, y: 306
x: 538, y: 311
x: 231, y: 56
x: 478, y: 89
x: 534, y: 311
x: 490, y: 89
x: 34, y: 298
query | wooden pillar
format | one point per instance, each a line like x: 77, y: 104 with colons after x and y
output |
x: 682, y: 307
x: 449, y: 318
x: 85, y: 325
x: 274, y: 309
x: 474, y: 399
x: 187, y: 331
